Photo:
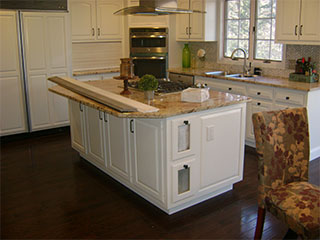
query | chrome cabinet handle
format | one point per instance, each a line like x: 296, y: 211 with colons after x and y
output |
x: 93, y: 32
x: 301, y: 30
x: 295, y: 30
x: 131, y: 126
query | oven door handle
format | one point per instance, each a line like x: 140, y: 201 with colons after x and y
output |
x: 148, y: 36
x: 148, y: 58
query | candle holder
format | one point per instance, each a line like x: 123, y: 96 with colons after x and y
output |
x: 126, y: 73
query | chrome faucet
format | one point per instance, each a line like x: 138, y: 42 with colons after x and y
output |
x: 246, y: 69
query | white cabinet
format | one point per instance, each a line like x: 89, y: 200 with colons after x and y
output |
x: 95, y: 136
x: 46, y: 54
x: 197, y: 26
x: 297, y: 21
x: 77, y: 126
x: 93, y: 20
x: 12, y: 104
x: 185, y: 179
x: 117, y: 145
x: 219, y: 131
x: 147, y: 156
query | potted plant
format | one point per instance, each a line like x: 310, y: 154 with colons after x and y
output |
x: 148, y: 83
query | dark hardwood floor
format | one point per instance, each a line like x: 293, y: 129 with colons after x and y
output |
x: 48, y: 191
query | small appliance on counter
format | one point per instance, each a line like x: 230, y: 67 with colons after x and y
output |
x: 304, y: 72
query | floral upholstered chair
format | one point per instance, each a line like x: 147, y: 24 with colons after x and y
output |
x: 282, y: 145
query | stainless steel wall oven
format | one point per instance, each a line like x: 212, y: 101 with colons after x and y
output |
x: 149, y: 51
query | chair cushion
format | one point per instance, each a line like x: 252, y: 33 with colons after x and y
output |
x: 298, y: 205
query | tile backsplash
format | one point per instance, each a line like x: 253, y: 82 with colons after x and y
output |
x: 293, y: 52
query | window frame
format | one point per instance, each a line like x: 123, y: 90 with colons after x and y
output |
x: 255, y: 62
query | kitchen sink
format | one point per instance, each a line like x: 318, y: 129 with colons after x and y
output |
x: 216, y: 73
x: 238, y: 75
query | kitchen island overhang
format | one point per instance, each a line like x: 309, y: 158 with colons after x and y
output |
x: 175, y: 158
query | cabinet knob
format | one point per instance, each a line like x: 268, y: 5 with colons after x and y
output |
x: 185, y: 166
x: 287, y: 98
x: 186, y: 122
x: 230, y: 88
x: 258, y: 103
x: 258, y: 93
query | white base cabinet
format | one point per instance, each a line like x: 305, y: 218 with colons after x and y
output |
x: 173, y: 162
x: 267, y: 98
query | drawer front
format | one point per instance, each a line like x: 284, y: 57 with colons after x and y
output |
x: 228, y: 87
x: 260, y: 92
x: 290, y: 97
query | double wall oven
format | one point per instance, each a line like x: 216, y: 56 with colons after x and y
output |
x: 149, y: 51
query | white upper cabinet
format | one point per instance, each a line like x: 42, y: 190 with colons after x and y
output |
x: 13, y: 119
x: 197, y: 26
x: 93, y: 20
x: 298, y: 22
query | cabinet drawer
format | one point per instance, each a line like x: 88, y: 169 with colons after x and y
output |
x: 290, y: 97
x: 227, y: 86
x: 260, y: 92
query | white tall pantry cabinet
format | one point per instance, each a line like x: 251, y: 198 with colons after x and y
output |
x: 44, y: 51
x: 12, y: 104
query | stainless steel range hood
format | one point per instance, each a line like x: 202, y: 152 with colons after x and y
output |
x: 155, y: 7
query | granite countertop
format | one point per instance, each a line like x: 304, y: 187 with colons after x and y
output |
x: 95, y: 71
x: 268, y: 81
x: 168, y: 104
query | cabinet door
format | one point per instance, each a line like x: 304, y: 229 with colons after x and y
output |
x: 183, y: 21
x: 287, y: 19
x: 196, y: 20
x: 46, y: 54
x: 95, y: 139
x: 109, y: 26
x: 83, y: 19
x: 253, y: 107
x: 147, y: 152
x: 12, y: 105
x: 116, y: 135
x: 34, y: 26
x: 77, y: 126
x: 221, y: 151
x: 310, y: 21
x: 185, y: 132
x: 184, y: 179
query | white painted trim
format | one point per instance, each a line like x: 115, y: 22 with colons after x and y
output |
x: 255, y: 63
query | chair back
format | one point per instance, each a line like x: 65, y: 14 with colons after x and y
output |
x: 282, y: 144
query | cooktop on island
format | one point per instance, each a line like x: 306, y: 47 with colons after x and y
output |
x: 165, y: 86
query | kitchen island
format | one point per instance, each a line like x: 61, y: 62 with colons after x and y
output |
x: 177, y: 157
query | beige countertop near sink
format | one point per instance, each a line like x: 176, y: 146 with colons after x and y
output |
x: 269, y: 81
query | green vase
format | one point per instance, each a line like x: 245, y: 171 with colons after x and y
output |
x: 186, y: 56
